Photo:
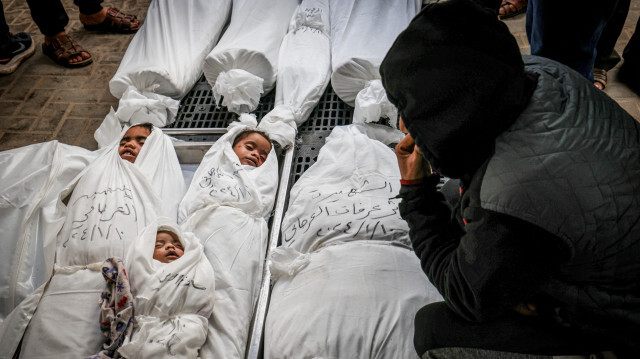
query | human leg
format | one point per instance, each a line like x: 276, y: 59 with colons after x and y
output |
x: 14, y: 48
x: 629, y: 73
x: 574, y: 46
x: 606, y: 56
x: 96, y: 18
x: 436, y: 326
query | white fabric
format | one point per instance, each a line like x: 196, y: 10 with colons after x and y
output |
x: 32, y: 178
x: 354, y: 300
x: 172, y: 301
x: 227, y: 207
x: 361, y: 34
x: 347, y: 284
x: 164, y: 59
x: 243, y: 65
x: 347, y: 194
x: 304, y: 70
x: 112, y: 200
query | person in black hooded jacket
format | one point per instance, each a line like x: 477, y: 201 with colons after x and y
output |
x: 540, y: 251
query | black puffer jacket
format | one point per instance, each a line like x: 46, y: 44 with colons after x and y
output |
x: 552, y: 216
x: 550, y: 170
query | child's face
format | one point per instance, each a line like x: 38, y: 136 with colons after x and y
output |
x: 168, y: 247
x: 252, y: 150
x: 132, y: 142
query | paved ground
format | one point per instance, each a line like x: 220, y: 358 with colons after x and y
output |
x: 42, y: 101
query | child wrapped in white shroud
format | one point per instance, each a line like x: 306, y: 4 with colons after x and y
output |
x: 164, y: 59
x: 304, y: 70
x: 111, y: 201
x: 172, y: 301
x: 243, y: 65
x: 346, y: 281
x: 32, y: 178
x: 227, y: 206
x: 361, y: 34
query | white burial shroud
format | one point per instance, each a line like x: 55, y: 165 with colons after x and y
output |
x: 111, y: 201
x: 243, y: 65
x: 164, y: 60
x: 304, y: 70
x: 227, y: 206
x: 347, y: 283
x: 31, y: 179
x: 172, y: 301
x: 361, y: 34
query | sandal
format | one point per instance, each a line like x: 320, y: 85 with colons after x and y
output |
x: 116, y: 21
x: 511, y: 8
x: 600, y: 78
x: 62, y: 48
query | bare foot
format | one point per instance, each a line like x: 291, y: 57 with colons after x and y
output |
x: 94, y: 19
x: 73, y: 59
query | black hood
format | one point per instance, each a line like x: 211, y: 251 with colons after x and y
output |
x: 457, y: 78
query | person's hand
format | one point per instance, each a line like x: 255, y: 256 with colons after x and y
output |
x: 409, y: 157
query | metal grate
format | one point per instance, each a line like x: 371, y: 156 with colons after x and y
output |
x: 330, y: 112
x: 198, y: 109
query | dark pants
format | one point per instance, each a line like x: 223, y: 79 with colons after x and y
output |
x: 4, y: 28
x: 607, y: 57
x: 568, y: 31
x: 436, y: 326
x: 50, y: 15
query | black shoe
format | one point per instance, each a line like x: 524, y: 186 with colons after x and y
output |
x: 19, y: 48
x: 630, y: 76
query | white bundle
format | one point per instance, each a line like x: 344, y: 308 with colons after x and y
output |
x: 347, y: 284
x: 112, y: 200
x: 304, y: 69
x: 172, y: 301
x: 32, y: 178
x: 243, y: 65
x: 361, y: 34
x: 164, y: 59
x: 227, y: 206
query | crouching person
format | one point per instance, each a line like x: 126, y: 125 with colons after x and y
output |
x: 172, y: 293
x: 541, y: 254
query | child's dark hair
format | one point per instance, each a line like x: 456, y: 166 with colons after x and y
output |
x: 146, y: 125
x: 242, y: 135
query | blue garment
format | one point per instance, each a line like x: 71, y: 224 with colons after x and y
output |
x: 568, y: 31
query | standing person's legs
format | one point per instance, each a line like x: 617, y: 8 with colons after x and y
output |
x: 94, y: 17
x: 49, y: 15
x: 4, y: 28
x: 550, y: 34
x: 606, y: 56
x: 14, y: 48
x: 629, y: 73
x: 52, y: 19
x: 436, y: 326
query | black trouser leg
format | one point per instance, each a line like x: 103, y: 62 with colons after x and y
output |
x: 606, y: 57
x: 436, y: 326
x: 88, y: 7
x: 49, y: 15
x: 4, y: 28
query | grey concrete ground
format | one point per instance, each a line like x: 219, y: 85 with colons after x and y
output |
x: 42, y: 101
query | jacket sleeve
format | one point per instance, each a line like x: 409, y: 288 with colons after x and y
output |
x: 486, y: 267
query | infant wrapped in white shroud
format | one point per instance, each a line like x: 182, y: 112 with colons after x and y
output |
x: 111, y: 202
x: 227, y: 206
x: 346, y: 281
x: 172, y: 301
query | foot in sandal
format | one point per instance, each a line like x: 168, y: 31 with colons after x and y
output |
x: 110, y: 20
x: 65, y: 51
x: 600, y: 78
